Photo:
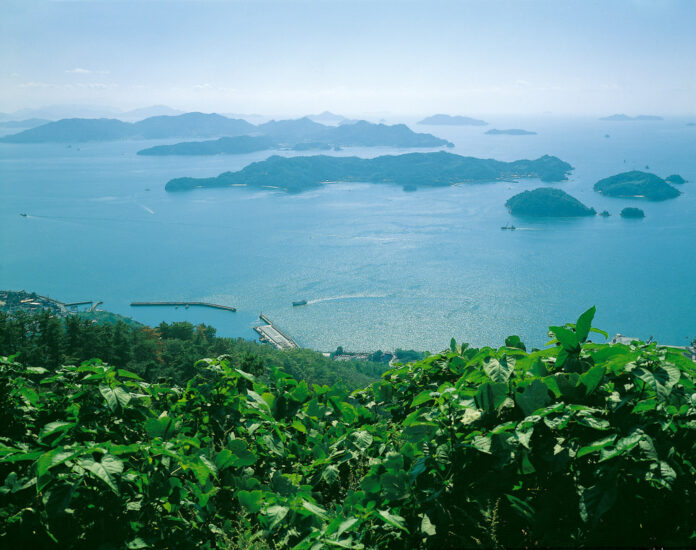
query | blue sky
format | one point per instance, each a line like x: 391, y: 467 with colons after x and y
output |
x: 354, y: 57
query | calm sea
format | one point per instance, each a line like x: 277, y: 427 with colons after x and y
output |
x: 379, y: 267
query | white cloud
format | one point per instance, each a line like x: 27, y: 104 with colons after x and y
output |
x: 80, y: 70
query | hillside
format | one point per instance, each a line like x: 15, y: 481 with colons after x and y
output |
x: 222, y: 146
x: 547, y: 202
x: 580, y: 444
x: 411, y: 170
x: 636, y: 184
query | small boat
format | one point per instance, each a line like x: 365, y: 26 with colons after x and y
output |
x: 23, y: 214
x: 299, y: 303
x: 508, y: 227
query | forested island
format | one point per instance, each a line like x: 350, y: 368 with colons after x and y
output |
x: 626, y: 118
x: 222, y: 146
x: 675, y: 179
x: 636, y: 184
x: 510, y: 132
x: 631, y: 212
x: 547, y: 202
x: 450, y: 120
x: 554, y: 448
x: 413, y: 170
x: 200, y: 125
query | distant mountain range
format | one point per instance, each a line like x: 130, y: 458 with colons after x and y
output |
x: 623, y: 118
x: 413, y: 170
x: 199, y: 125
x: 26, y: 123
x: 449, y: 120
x: 57, y: 112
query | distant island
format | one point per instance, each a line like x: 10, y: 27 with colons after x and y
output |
x: 510, y: 132
x: 675, y: 178
x: 631, y: 212
x: 547, y: 202
x: 413, y: 170
x: 624, y: 118
x: 450, y: 120
x: 222, y: 146
x: 636, y: 184
x: 199, y: 125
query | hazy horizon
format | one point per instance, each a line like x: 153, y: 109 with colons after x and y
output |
x: 353, y: 58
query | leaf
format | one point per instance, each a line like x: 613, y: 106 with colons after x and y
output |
x: 106, y: 469
x: 499, y: 371
x: 314, y: 509
x: 535, y: 396
x: 53, y: 458
x: 453, y: 345
x: 521, y: 507
x: 595, y: 446
x: 301, y: 392
x: 115, y: 397
x: 276, y: 514
x: 273, y: 444
x: 584, y: 324
x: 55, y: 427
x: 395, y: 485
x: 137, y: 544
x: 595, y: 501
x: 515, y: 342
x: 299, y: 426
x: 251, y: 501
x: 567, y: 338
x: 160, y: 427
x: 330, y: 474
x: 427, y: 527
x: 259, y: 401
x: 236, y: 455
x: 422, y: 397
x: 392, y: 519
x: 490, y: 396
x: 345, y: 526
x: 592, y: 378
x: 363, y: 439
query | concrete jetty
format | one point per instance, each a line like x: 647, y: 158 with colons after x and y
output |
x: 271, y: 334
x: 186, y: 304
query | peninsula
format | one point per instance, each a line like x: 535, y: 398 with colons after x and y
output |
x: 223, y: 146
x: 450, y: 120
x: 547, y: 202
x: 510, y: 132
x: 413, y: 170
x: 636, y: 184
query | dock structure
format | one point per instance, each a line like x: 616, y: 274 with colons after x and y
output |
x: 271, y: 334
x: 185, y: 304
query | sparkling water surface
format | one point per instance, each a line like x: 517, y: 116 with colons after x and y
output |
x: 380, y: 268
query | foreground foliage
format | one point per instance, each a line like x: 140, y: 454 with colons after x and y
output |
x: 577, y: 444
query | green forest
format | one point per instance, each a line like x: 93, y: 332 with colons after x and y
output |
x: 580, y: 444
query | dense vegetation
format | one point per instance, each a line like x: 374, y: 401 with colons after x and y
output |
x: 547, y: 202
x: 631, y: 212
x: 580, y: 444
x: 636, y: 184
x: 298, y: 174
x: 167, y: 352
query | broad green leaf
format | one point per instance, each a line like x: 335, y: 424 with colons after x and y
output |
x: 137, y: 544
x: 521, y: 507
x: 106, y: 469
x: 392, y: 519
x: 595, y: 446
x: 395, y: 485
x: 55, y: 427
x: 301, y: 392
x: 345, y: 526
x: 362, y: 439
x: 499, y: 371
x: 427, y: 527
x: 314, y: 509
x: 592, y: 378
x: 55, y: 457
x: 515, y: 342
x: 490, y: 396
x: 163, y: 427
x: 330, y: 474
x: 595, y: 501
x: 251, y: 501
x: 533, y: 397
x: 567, y: 338
x: 115, y: 397
x: 584, y: 324
x: 275, y: 514
x: 299, y: 426
x: 422, y: 397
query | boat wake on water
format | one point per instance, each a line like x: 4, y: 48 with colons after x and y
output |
x: 346, y: 297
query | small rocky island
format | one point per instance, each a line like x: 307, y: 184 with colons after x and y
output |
x: 675, y: 178
x: 450, y: 120
x: 547, y: 202
x: 631, y: 212
x: 413, y: 170
x: 510, y: 132
x: 636, y: 184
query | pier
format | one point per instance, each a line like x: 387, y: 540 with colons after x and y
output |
x: 271, y: 334
x: 185, y: 304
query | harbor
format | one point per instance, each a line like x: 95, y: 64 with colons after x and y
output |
x: 184, y: 304
x: 271, y: 334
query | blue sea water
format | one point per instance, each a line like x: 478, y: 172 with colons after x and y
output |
x: 380, y: 268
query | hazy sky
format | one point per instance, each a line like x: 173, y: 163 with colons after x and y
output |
x: 352, y: 56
